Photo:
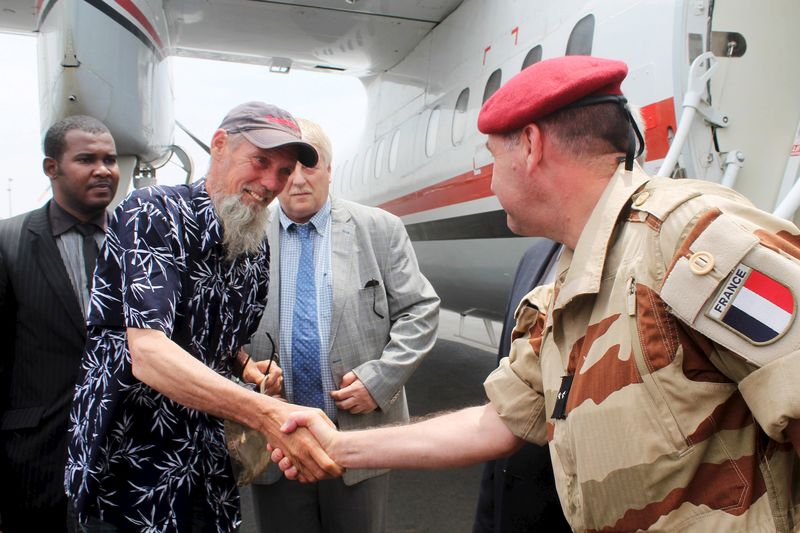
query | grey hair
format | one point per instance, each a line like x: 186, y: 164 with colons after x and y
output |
x: 314, y: 134
x: 244, y: 228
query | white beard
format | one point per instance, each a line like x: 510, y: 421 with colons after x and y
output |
x: 244, y: 227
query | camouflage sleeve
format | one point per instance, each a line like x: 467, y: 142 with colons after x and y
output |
x: 515, y: 387
x: 734, y: 277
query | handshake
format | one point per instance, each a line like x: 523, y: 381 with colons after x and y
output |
x: 300, y: 438
x: 304, y: 446
x: 307, y: 447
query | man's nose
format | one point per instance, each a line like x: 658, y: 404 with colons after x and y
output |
x: 298, y: 178
x: 101, y: 169
x: 273, y: 180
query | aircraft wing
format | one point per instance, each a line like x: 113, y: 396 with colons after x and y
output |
x: 358, y: 36
x: 19, y: 16
x: 361, y: 37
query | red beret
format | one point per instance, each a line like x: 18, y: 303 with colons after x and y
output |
x: 546, y: 87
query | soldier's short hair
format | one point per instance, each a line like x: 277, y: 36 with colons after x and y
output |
x: 589, y: 131
x: 54, y: 140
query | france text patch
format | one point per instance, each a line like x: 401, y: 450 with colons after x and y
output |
x: 753, y: 305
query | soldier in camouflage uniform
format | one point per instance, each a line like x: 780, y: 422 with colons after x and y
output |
x: 663, y: 365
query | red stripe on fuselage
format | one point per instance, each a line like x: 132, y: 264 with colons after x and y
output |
x: 134, y: 11
x: 658, y: 117
x: 463, y: 188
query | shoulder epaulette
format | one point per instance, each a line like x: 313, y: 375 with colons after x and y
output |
x: 662, y: 196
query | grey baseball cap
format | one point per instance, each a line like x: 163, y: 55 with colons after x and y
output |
x: 268, y: 126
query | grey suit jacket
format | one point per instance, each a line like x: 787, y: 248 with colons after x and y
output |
x: 367, y: 243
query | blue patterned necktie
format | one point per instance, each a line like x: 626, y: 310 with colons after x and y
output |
x: 306, y: 373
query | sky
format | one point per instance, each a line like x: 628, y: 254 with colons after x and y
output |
x: 204, y: 92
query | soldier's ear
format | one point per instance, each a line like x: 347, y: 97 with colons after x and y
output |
x: 531, y: 141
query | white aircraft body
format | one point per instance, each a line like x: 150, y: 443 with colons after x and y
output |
x: 713, y: 78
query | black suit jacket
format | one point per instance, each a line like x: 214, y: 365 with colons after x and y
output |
x: 43, y: 336
x: 518, y: 493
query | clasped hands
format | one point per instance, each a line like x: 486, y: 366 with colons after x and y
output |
x: 304, y: 423
x: 302, y: 444
x: 314, y: 424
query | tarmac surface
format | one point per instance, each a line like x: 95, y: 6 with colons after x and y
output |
x: 449, y: 378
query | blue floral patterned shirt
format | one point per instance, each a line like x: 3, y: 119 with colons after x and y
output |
x: 137, y: 459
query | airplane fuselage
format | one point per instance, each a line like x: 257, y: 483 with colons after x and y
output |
x: 427, y: 69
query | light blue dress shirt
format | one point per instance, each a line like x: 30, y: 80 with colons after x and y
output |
x: 289, y: 260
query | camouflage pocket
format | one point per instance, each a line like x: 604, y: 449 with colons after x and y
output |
x: 654, y: 342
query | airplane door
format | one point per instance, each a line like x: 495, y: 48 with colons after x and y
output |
x: 757, y: 88
x: 759, y: 91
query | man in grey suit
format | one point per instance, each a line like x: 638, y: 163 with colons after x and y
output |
x: 46, y: 261
x: 353, y: 317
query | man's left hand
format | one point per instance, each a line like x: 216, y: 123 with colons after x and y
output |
x: 256, y: 372
x: 353, y: 396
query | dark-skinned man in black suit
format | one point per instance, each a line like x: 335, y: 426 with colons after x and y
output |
x: 46, y: 263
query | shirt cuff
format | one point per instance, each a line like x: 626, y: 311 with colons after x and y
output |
x: 519, y: 406
x: 773, y: 394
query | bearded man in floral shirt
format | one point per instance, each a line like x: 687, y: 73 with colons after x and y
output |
x: 180, y: 286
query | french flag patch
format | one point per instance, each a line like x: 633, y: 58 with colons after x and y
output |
x: 753, y: 305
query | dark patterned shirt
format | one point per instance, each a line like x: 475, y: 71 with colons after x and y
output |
x: 137, y: 459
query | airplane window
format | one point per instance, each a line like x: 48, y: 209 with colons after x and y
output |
x: 433, y: 132
x: 492, y: 84
x: 460, y: 117
x: 394, y: 150
x: 580, y: 40
x: 379, y: 162
x: 367, y: 170
x: 533, y: 56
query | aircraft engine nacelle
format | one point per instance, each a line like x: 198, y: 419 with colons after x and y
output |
x: 107, y: 60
